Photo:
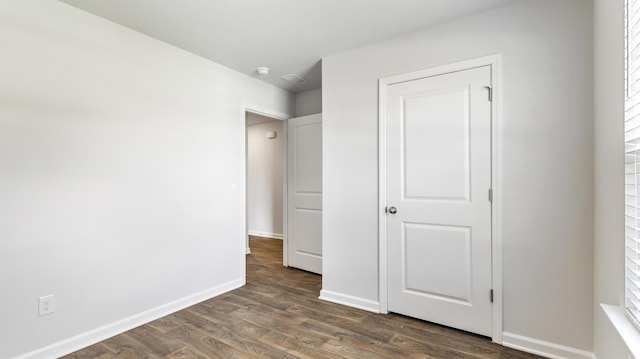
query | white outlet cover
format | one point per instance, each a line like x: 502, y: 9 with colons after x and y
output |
x: 46, y: 305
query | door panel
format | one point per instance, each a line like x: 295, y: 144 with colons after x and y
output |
x: 430, y: 250
x: 307, y: 142
x: 438, y: 177
x: 440, y: 144
x: 305, y: 193
x: 309, y: 231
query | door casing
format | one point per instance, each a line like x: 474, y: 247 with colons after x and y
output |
x: 496, y: 177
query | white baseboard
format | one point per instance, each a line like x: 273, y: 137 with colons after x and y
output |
x: 91, y: 337
x: 546, y: 349
x: 265, y: 234
x: 351, y: 301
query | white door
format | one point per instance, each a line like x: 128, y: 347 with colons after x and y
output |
x: 438, y: 181
x: 304, y: 167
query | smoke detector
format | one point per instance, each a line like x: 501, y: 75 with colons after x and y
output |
x: 293, y: 78
x: 263, y: 70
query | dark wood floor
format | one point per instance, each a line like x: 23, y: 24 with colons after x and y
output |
x: 277, y: 315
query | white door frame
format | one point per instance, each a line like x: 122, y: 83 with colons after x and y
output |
x: 496, y: 177
x: 243, y: 185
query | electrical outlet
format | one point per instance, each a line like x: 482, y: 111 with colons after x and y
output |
x: 46, y: 305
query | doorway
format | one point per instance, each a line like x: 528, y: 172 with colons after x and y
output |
x: 265, y: 176
x: 300, y: 188
x: 264, y: 115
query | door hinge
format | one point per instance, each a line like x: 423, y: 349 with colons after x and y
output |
x: 490, y: 91
x: 491, y: 195
x: 491, y: 295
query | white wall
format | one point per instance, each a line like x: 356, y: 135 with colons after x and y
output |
x: 609, y: 172
x: 547, y: 156
x: 117, y: 158
x: 308, y: 103
x: 264, y: 179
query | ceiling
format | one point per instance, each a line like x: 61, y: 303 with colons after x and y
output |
x: 287, y: 36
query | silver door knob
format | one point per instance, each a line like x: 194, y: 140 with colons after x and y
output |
x: 393, y: 210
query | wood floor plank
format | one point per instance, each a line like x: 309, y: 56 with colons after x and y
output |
x: 165, y: 324
x: 152, y: 338
x: 214, y: 311
x: 297, y: 347
x: 222, y: 330
x: 206, y: 344
x: 419, y: 328
x: 409, y: 336
x: 286, y: 287
x: 341, y: 311
x: 220, y: 307
x: 236, y: 334
x: 293, y: 331
x: 334, y: 321
x: 239, y: 301
x: 268, y: 318
x: 279, y: 303
x: 93, y: 352
x: 127, y: 347
x: 354, y: 351
x: 438, y: 349
x: 377, y: 347
x: 278, y: 315
x: 188, y: 353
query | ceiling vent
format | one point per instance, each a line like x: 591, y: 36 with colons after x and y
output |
x: 293, y: 78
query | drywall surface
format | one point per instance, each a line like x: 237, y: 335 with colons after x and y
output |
x: 308, y: 103
x: 265, y: 179
x: 609, y: 171
x: 547, y: 156
x: 119, y: 156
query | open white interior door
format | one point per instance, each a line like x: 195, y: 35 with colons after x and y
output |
x: 304, y: 167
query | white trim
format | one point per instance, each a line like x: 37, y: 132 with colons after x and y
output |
x: 625, y: 328
x: 496, y: 206
x: 495, y: 61
x: 285, y: 194
x: 351, y: 301
x: 244, y: 238
x: 546, y: 349
x: 265, y: 234
x: 91, y: 337
x: 382, y: 196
